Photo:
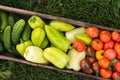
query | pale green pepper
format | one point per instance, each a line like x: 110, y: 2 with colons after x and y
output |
x: 37, y: 36
x: 56, y: 56
x: 35, y: 21
x: 61, y: 26
x: 22, y: 47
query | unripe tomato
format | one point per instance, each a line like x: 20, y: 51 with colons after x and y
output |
x: 103, y: 62
x: 105, y: 36
x: 117, y: 66
x: 105, y: 73
x: 110, y: 54
x: 92, y: 31
x: 97, y: 44
x: 115, y: 35
x: 109, y: 45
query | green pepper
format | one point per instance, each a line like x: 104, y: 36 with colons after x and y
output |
x: 35, y: 21
x: 61, y: 26
x: 84, y: 37
x: 22, y: 47
x: 3, y: 16
x: 57, y: 39
x: 38, y: 36
x: 56, y: 56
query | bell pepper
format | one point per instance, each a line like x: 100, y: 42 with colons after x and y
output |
x: 35, y: 21
x: 56, y: 56
x: 61, y: 26
x: 37, y: 36
x: 84, y: 37
x: 71, y: 34
x: 57, y: 39
x: 99, y: 54
x: 75, y: 58
x: 21, y: 47
x: 35, y: 54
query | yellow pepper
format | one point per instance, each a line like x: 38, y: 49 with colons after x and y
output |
x: 99, y: 54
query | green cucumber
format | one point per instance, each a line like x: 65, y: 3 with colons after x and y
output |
x: 26, y: 33
x: 11, y: 20
x: 3, y: 16
x: 17, y: 31
x: 1, y: 46
x: 7, y: 37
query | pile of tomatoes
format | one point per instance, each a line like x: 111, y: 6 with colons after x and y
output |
x: 106, y: 47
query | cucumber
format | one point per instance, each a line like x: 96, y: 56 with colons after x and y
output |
x: 7, y: 37
x: 1, y: 36
x: 17, y: 31
x: 11, y: 20
x: 26, y: 33
x: 3, y: 16
x: 1, y: 46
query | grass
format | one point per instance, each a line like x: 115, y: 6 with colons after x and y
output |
x: 102, y: 12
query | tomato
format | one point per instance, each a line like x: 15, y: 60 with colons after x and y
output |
x: 105, y: 36
x: 96, y: 67
x: 90, y: 51
x: 117, y: 66
x: 99, y: 54
x: 110, y: 54
x: 103, y: 62
x: 115, y: 35
x: 105, y: 73
x: 79, y: 45
x: 109, y: 45
x: 116, y: 75
x: 92, y: 31
x: 97, y: 44
x: 117, y: 49
x: 118, y: 40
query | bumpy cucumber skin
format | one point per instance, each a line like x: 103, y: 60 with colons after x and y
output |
x: 17, y: 31
x: 3, y: 16
x: 7, y: 37
x: 26, y: 33
x: 11, y: 20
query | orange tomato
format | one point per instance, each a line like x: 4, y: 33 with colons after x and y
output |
x: 117, y: 49
x: 92, y: 31
x: 103, y: 62
x: 97, y: 44
x: 105, y: 36
x: 115, y: 35
x: 105, y: 73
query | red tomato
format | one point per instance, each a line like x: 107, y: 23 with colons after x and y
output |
x: 105, y: 73
x: 103, y: 62
x: 117, y: 49
x: 115, y: 35
x: 110, y: 54
x: 105, y: 36
x: 79, y: 45
x: 97, y: 44
x: 118, y: 40
x: 92, y: 31
x: 117, y: 66
x: 109, y: 45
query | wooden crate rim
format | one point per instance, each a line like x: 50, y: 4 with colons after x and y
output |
x: 51, y: 17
